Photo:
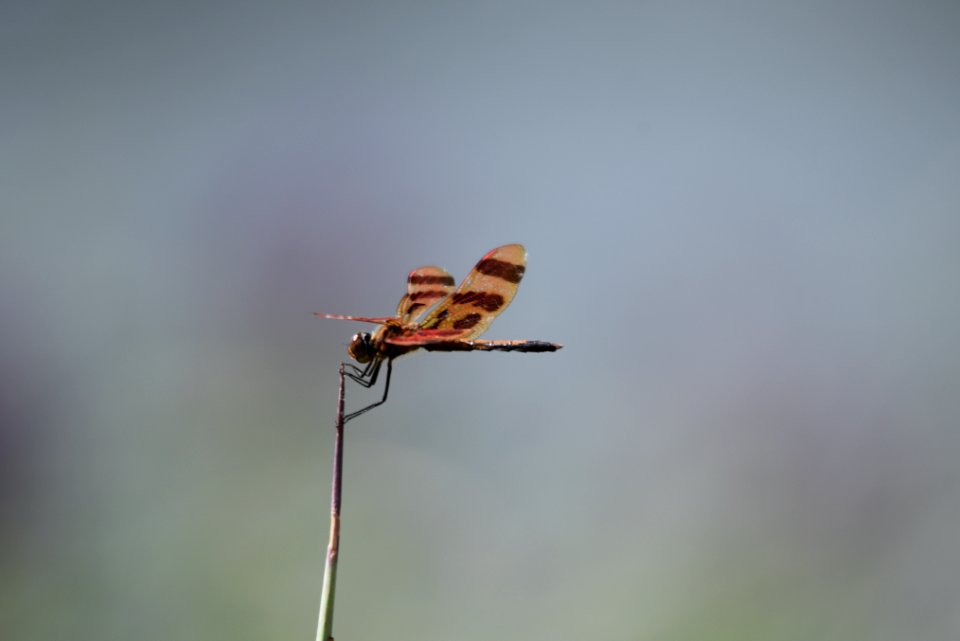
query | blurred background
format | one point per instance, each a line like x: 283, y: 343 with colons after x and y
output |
x: 742, y: 221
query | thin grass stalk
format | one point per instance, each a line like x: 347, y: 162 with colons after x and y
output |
x: 325, y: 624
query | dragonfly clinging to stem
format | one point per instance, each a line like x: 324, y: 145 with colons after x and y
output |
x: 453, y: 324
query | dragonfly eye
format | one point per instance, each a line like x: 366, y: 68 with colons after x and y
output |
x: 361, y: 348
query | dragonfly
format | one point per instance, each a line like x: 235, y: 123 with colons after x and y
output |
x: 435, y: 317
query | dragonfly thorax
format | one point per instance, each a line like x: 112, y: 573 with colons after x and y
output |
x: 361, y: 348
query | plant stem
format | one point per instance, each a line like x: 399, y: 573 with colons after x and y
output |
x: 325, y: 625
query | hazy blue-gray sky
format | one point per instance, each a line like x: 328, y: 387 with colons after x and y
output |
x: 742, y: 221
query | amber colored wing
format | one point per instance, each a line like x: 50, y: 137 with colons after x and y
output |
x: 427, y: 336
x: 362, y: 319
x: 425, y: 286
x: 483, y: 294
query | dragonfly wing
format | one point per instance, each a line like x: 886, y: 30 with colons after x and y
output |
x: 425, y: 286
x: 362, y: 319
x: 483, y: 294
x: 427, y: 336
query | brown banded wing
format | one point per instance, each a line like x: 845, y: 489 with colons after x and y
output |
x: 483, y: 294
x: 426, y: 336
x: 425, y: 286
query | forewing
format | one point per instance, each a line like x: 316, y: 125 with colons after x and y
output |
x: 362, y: 319
x: 427, y: 336
x: 425, y: 286
x: 483, y: 294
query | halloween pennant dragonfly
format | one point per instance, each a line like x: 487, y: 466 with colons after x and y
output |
x: 452, y: 325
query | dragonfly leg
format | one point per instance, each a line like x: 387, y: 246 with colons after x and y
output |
x: 373, y: 379
x: 366, y: 376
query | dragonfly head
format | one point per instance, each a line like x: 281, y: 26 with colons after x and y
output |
x: 361, y: 348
